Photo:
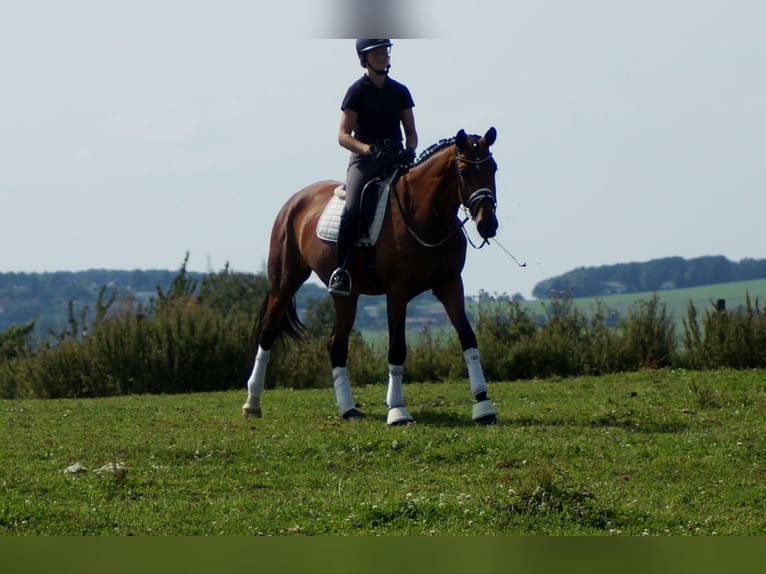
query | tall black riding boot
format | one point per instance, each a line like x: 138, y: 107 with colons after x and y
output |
x: 340, y: 280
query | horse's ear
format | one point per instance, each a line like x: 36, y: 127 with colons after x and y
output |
x: 490, y: 136
x: 460, y: 139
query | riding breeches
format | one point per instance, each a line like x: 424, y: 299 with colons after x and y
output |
x: 361, y: 169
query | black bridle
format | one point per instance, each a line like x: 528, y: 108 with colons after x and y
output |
x: 478, y: 196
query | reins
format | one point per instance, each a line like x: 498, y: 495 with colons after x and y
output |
x: 414, y: 233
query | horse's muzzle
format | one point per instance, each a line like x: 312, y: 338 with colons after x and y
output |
x: 481, y: 205
x: 487, y: 225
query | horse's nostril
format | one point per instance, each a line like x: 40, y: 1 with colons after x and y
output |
x: 487, y: 229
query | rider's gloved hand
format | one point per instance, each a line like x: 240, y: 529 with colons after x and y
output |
x: 375, y: 152
x: 406, y: 156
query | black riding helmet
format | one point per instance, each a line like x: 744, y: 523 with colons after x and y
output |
x: 364, y: 46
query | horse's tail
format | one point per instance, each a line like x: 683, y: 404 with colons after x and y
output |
x: 290, y: 325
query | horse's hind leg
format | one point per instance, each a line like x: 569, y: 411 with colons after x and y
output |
x: 452, y: 297
x: 255, y: 384
x: 277, y: 307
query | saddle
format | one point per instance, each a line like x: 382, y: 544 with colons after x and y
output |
x: 372, y: 211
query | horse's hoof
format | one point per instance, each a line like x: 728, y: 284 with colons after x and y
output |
x: 402, y: 423
x: 353, y: 415
x: 248, y: 412
x: 484, y: 412
x: 488, y: 420
x: 398, y: 416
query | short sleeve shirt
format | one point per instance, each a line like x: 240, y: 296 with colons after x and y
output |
x: 379, y: 109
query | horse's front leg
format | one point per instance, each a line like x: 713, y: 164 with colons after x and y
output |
x: 397, y: 353
x: 345, y: 314
x: 452, y: 297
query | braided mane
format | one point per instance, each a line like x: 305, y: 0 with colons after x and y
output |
x: 431, y: 150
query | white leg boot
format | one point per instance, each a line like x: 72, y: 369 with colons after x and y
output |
x: 397, y: 414
x: 483, y: 410
x: 343, y: 397
x: 252, y: 406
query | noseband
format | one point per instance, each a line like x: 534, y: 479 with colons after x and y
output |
x: 478, y: 196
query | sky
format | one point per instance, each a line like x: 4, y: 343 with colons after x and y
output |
x: 134, y: 132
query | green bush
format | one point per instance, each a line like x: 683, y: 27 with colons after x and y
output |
x: 176, y: 344
x: 505, y: 332
x: 571, y: 342
x: 14, y: 340
x: 201, y: 338
x: 184, y: 347
x: 649, y: 337
x: 735, y: 339
x: 432, y: 355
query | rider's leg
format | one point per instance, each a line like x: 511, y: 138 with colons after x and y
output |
x: 356, y: 176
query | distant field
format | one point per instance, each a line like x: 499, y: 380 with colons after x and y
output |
x: 676, y: 300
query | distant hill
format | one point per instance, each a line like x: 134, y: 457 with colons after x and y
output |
x: 649, y: 276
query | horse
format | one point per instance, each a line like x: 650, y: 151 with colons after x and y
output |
x: 421, y: 246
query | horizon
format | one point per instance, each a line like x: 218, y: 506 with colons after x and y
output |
x: 480, y: 292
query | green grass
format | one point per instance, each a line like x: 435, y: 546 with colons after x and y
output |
x: 656, y: 452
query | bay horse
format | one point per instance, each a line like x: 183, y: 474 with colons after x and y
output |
x: 421, y: 246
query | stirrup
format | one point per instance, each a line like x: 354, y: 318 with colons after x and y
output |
x: 338, y: 284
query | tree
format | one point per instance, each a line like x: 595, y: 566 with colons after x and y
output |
x: 230, y: 293
x: 14, y: 340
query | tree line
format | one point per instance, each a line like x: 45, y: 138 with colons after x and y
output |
x: 650, y: 276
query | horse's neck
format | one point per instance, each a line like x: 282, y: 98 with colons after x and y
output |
x: 430, y: 191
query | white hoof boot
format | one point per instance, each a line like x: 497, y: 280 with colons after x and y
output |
x: 484, y: 412
x: 398, y: 416
x: 252, y: 408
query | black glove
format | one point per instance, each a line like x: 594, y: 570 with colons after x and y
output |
x: 406, y: 156
x: 375, y: 152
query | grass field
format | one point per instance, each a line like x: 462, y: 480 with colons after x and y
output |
x: 657, y: 453
x: 677, y: 300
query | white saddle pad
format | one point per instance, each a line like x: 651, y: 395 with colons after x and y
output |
x: 329, y: 221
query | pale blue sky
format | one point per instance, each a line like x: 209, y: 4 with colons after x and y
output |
x: 132, y: 132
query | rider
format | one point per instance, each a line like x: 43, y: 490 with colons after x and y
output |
x: 374, y: 110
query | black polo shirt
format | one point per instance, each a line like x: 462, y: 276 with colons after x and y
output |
x: 379, y: 109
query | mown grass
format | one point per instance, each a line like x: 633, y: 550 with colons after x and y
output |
x: 665, y: 452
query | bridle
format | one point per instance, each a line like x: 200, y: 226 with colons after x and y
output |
x: 481, y: 194
x: 476, y: 198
